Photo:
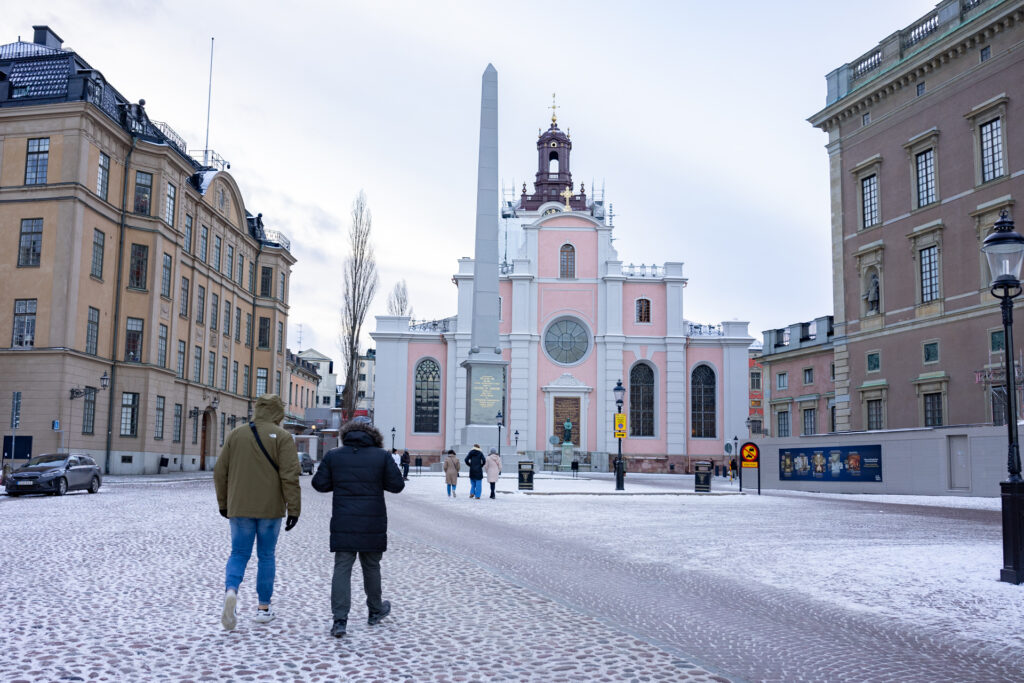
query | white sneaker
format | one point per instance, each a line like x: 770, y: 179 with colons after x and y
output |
x: 264, y: 615
x: 229, y: 617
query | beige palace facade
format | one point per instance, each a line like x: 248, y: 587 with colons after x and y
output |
x: 126, y: 258
x: 926, y: 148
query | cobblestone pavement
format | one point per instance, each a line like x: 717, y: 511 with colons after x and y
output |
x: 127, y: 585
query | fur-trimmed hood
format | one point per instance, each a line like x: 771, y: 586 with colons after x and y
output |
x: 361, y: 433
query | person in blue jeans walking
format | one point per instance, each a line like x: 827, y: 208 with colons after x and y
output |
x: 475, y: 460
x: 257, y: 483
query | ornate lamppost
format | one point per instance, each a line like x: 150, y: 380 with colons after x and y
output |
x: 392, y: 438
x: 620, y: 467
x: 515, y: 434
x: 1004, y: 249
x: 499, y: 418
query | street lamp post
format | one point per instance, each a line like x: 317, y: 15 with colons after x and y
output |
x: 499, y: 418
x: 1004, y: 249
x: 620, y: 470
x: 79, y: 392
x: 392, y: 438
x: 516, y: 435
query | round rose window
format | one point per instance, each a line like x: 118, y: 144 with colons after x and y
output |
x: 566, y: 341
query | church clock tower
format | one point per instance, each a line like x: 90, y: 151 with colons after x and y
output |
x: 553, y: 175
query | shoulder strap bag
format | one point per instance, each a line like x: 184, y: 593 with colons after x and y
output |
x: 252, y: 426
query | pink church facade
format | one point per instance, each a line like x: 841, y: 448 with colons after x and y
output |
x: 573, y: 321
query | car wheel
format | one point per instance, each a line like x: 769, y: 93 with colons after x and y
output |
x: 62, y: 487
x: 94, y: 485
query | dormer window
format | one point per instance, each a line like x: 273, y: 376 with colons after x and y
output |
x: 567, y: 262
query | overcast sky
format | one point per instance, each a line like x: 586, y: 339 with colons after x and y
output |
x: 690, y: 114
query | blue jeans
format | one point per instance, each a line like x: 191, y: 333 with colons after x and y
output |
x: 451, y: 489
x: 245, y: 530
x: 475, y: 486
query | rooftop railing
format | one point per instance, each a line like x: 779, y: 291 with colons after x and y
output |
x: 643, y: 270
x: 443, y: 325
x: 702, y: 330
x: 278, y: 237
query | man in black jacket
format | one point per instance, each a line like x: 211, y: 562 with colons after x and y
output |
x: 475, y: 459
x: 358, y: 473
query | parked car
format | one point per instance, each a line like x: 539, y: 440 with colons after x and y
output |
x: 55, y: 473
x: 306, y: 463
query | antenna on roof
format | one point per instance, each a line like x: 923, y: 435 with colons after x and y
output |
x: 209, y: 93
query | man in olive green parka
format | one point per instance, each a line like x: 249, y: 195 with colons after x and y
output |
x: 254, y: 491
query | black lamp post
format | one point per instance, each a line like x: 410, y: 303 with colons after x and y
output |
x: 620, y: 468
x: 1004, y: 249
x: 516, y: 435
x: 392, y: 438
x: 499, y: 418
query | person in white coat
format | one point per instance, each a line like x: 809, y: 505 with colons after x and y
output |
x: 493, y: 469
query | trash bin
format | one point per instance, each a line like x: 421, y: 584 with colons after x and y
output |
x: 702, y: 476
x: 525, y: 475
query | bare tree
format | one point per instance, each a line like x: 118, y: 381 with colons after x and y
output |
x: 398, y: 300
x: 360, y: 286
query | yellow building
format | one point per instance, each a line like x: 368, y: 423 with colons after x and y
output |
x: 126, y: 258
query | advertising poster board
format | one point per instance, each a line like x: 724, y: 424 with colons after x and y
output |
x: 837, y: 463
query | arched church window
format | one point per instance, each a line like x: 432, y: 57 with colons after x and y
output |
x: 567, y: 261
x: 702, y: 402
x: 553, y: 163
x: 427, y: 397
x: 641, y: 400
x: 643, y: 310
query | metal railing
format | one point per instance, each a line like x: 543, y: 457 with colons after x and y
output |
x: 443, y: 325
x: 702, y: 330
x: 170, y: 134
x: 278, y: 237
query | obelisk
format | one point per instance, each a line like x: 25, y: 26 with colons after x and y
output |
x: 485, y: 368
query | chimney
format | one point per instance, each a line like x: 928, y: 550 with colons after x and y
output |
x: 45, y: 36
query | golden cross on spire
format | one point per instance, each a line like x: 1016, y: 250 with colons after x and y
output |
x: 566, y: 193
x: 554, y: 106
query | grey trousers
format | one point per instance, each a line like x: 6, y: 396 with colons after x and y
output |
x: 341, y: 584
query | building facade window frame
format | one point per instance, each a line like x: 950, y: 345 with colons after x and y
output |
x: 99, y: 240
x: 188, y: 233
x: 158, y: 422
x: 37, y: 161
x: 165, y: 277
x: 755, y: 380
x: 923, y: 158
x: 176, y: 433
x: 204, y: 242
x: 567, y: 262
x: 129, y: 414
x: 263, y: 338
x: 783, y: 427
x: 809, y: 420
x: 643, y: 311
x: 934, y: 411
x: 89, y: 411
x: 23, y: 330
x: 781, y: 381
x: 200, y: 305
x: 929, y: 351
x: 990, y: 149
x: 427, y: 397
x: 873, y: 361
x: 262, y: 378
x: 30, y: 243
x: 703, y: 402
x: 867, y: 177
x: 172, y: 195
x: 182, y: 357
x: 161, y: 346
x: 133, y: 339
x: 642, y: 401
x: 926, y: 249
x: 138, y: 267
x: 143, y: 193
x: 103, y: 176
x: 266, y: 281
x: 92, y: 331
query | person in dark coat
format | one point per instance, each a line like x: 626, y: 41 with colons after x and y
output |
x: 406, y: 460
x: 475, y: 460
x: 358, y: 473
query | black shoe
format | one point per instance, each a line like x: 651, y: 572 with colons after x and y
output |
x: 338, y: 630
x: 385, y: 609
x: 492, y: 495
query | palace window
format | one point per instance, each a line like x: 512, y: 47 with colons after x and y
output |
x: 129, y: 414
x: 165, y: 279
x: 567, y: 261
x: 216, y: 252
x: 183, y: 304
x: 89, y: 411
x: 172, y: 194
x: 755, y: 381
x: 641, y: 400
x: 204, y: 240
x: 98, y: 238
x: 702, y: 397
x: 929, y: 274
x: 158, y: 426
x: 925, y: 176
x: 197, y: 365
x: 161, y: 346
x: 427, y: 397
x: 214, y: 311
x: 201, y: 305
x: 933, y: 410
x: 810, y: 421
x: 869, y: 200
x: 261, y: 381
x: 188, y: 233
x: 782, y: 422
x: 875, y: 414
x: 782, y: 380
x: 266, y: 281
x: 264, y: 336
x: 133, y: 340
x: 991, y: 150
x: 181, y: 359
x: 92, y: 331
x: 176, y: 434
x: 211, y: 369
x: 808, y: 375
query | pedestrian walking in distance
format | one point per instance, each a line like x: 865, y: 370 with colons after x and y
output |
x: 358, y: 473
x: 475, y: 461
x: 405, y: 465
x: 732, y: 469
x: 493, y: 469
x: 396, y: 457
x: 451, y: 472
x: 257, y: 482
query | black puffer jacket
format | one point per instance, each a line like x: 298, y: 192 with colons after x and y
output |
x: 359, y: 473
x: 476, y: 461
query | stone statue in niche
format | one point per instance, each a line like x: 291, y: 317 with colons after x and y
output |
x: 871, y: 296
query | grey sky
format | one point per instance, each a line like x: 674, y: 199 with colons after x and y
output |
x: 692, y: 115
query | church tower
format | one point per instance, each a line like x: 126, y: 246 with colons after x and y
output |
x: 554, y: 177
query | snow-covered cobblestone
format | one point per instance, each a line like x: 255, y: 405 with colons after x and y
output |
x: 126, y: 585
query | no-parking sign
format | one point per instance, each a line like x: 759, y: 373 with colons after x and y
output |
x: 750, y: 454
